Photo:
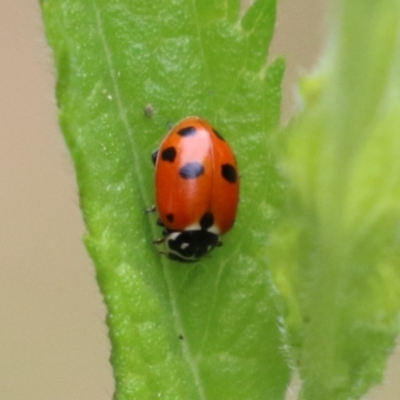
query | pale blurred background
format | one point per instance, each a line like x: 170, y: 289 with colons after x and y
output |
x: 53, y: 340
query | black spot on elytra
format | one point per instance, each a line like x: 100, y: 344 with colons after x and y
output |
x: 169, y: 154
x: 218, y: 135
x: 191, y: 170
x: 170, y: 218
x: 188, y: 131
x: 228, y: 172
x: 206, y: 221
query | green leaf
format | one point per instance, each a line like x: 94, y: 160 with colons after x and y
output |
x: 335, y: 255
x: 203, y: 331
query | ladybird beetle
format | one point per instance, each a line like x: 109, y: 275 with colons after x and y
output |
x: 197, y: 189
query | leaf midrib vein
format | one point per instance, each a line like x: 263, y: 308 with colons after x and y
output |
x: 178, y: 325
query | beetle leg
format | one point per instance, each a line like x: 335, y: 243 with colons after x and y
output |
x: 160, y: 223
x: 149, y: 210
x: 154, y: 155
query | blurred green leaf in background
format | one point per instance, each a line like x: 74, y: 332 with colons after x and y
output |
x: 335, y: 254
x: 203, y: 331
